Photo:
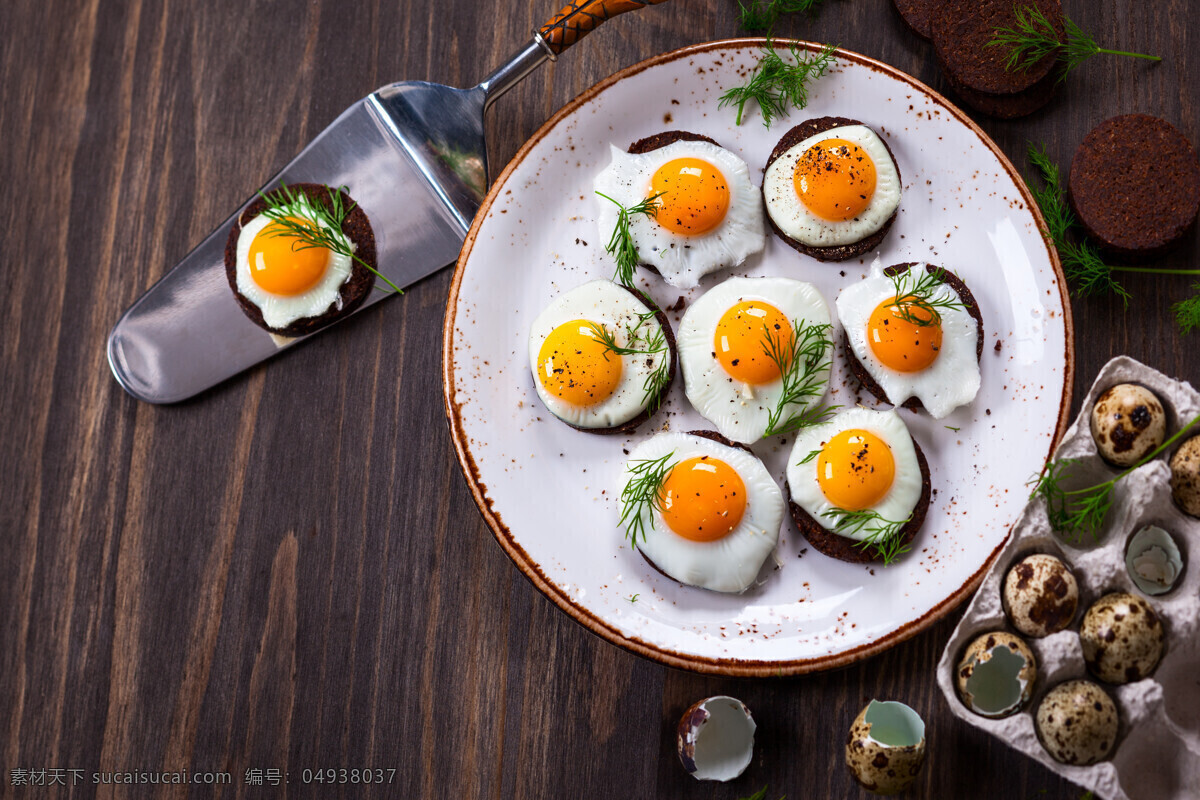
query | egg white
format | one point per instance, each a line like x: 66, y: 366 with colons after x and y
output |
x: 728, y: 564
x: 952, y: 380
x: 789, y: 213
x: 279, y: 311
x: 682, y: 260
x: 604, y: 303
x: 741, y: 412
x: 900, y: 500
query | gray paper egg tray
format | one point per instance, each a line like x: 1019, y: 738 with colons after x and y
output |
x: 1157, y: 754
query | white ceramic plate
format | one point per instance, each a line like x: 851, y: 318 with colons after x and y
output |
x: 549, y: 492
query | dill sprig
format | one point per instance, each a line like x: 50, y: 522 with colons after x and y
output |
x: 811, y: 455
x: 801, y: 360
x: 777, y: 83
x: 642, y: 338
x: 760, y: 15
x: 1034, y: 37
x: 318, y: 226
x: 919, y: 293
x: 761, y: 794
x: 884, y: 534
x: 1074, y: 512
x: 643, y: 493
x: 1081, y: 261
x: 621, y: 245
x: 1187, y: 312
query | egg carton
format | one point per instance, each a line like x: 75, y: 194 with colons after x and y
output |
x: 1159, y: 715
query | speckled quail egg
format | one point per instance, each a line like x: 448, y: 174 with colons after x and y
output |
x: 1077, y: 723
x: 715, y: 738
x: 1040, y: 595
x: 1122, y: 638
x: 1128, y: 422
x: 1185, y: 476
x: 886, y: 747
x: 996, y: 674
x: 1153, y: 560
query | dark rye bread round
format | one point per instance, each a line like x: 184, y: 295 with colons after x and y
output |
x: 918, y: 15
x: 656, y: 401
x: 719, y: 439
x: 841, y: 252
x: 1007, y: 106
x: 1135, y: 184
x: 964, y: 294
x: 961, y: 31
x: 841, y: 547
x: 352, y: 293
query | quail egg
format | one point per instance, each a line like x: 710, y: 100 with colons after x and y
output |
x: 886, y: 747
x: 1122, y: 638
x: 1077, y: 723
x: 1040, y: 595
x: 715, y: 738
x: 1128, y: 422
x: 995, y: 675
x: 1185, y: 476
x: 1153, y: 560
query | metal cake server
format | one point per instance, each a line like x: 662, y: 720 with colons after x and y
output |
x: 412, y: 155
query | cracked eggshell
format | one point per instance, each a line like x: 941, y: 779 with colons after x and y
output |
x: 1128, y: 421
x: 1077, y: 723
x: 1122, y: 638
x: 1040, y: 596
x: 1153, y: 560
x: 886, y: 747
x: 715, y: 738
x: 995, y: 675
x: 1185, y: 476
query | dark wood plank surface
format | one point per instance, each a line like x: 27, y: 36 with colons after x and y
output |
x: 288, y: 572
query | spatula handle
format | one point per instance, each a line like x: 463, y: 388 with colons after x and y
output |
x: 579, y: 17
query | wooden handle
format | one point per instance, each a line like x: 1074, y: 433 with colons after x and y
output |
x: 580, y: 17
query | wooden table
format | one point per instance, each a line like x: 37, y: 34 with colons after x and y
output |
x: 288, y: 573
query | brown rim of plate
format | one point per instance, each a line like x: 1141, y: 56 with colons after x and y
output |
x: 734, y: 667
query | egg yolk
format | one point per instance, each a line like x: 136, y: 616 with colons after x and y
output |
x: 574, y: 364
x: 855, y: 469
x: 900, y: 344
x: 835, y: 179
x: 283, y: 264
x: 695, y: 196
x: 703, y: 499
x: 740, y: 339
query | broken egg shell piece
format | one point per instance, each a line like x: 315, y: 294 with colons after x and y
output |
x: 715, y: 738
x: 886, y: 747
x: 1040, y: 595
x: 995, y: 675
x: 1153, y: 560
x: 1077, y: 723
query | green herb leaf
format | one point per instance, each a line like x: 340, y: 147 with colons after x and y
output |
x: 1187, y: 312
x: 883, y: 534
x: 920, y: 297
x: 643, y: 494
x: 760, y: 15
x: 1074, y: 512
x: 777, y: 83
x: 811, y: 455
x: 645, y: 337
x: 801, y: 360
x: 621, y: 245
x: 1034, y: 37
x: 317, y: 226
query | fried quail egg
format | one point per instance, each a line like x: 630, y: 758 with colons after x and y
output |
x: 835, y: 188
x: 860, y: 461
x: 713, y: 518
x: 935, y: 362
x: 724, y: 336
x: 288, y: 282
x: 578, y: 376
x: 708, y: 215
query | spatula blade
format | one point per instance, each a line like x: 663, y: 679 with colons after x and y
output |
x: 419, y: 179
